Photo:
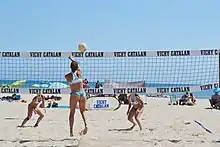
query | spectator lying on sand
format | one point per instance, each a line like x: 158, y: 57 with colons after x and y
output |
x: 52, y: 103
x: 187, y: 99
x: 183, y: 100
x: 191, y: 100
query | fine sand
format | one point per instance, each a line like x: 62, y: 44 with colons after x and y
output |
x: 163, y: 126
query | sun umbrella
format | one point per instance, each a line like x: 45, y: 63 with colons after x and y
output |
x: 216, y: 90
x: 58, y: 85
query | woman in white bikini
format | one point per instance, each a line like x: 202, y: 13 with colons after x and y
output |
x: 136, y: 110
x: 77, y: 95
x: 37, y: 101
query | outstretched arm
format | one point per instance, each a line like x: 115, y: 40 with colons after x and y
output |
x: 129, y: 106
x: 43, y: 103
x: 71, y: 58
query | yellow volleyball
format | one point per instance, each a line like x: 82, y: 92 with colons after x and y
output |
x: 82, y: 47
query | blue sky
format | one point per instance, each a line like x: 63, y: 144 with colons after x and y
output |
x: 112, y: 25
x: 108, y: 25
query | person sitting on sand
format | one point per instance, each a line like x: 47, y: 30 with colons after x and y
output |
x: 123, y: 98
x: 37, y: 101
x: 183, y: 100
x: 137, y: 109
x: 191, y: 100
x: 49, y: 103
x: 86, y: 84
x: 97, y: 84
x: 52, y: 103
x: 215, y: 99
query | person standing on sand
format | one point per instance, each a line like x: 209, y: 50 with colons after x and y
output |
x: 77, y: 95
x: 137, y: 109
x: 37, y: 101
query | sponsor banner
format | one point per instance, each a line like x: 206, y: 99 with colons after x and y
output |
x: 45, y: 54
x: 172, y: 53
x: 94, y: 91
x: 209, y: 52
x: 116, y: 90
x: 10, y: 54
x: 208, y: 86
x: 88, y: 54
x: 129, y: 90
x: 45, y: 91
x: 35, y: 54
x: 102, y: 103
x: 130, y: 54
x: 34, y: 90
x: 124, y: 54
x: 97, y: 91
x: 173, y: 89
x: 205, y: 52
x: 10, y: 90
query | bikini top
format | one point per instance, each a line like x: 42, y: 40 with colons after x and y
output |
x: 134, y: 102
x: 37, y: 101
x: 75, y: 78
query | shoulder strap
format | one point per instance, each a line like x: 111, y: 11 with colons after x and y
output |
x: 74, y: 75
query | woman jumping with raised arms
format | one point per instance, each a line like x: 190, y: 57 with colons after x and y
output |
x: 77, y: 95
x: 136, y: 110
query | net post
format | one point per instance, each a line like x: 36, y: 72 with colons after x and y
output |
x: 218, y: 68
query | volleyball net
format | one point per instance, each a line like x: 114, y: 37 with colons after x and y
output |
x: 111, y: 72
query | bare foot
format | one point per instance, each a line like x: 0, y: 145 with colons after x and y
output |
x: 20, y: 126
x: 71, y: 133
x: 132, y: 127
x: 84, y: 131
x: 36, y: 125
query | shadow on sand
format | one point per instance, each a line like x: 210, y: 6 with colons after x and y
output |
x: 123, y: 129
x: 25, y: 127
x: 11, y: 118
